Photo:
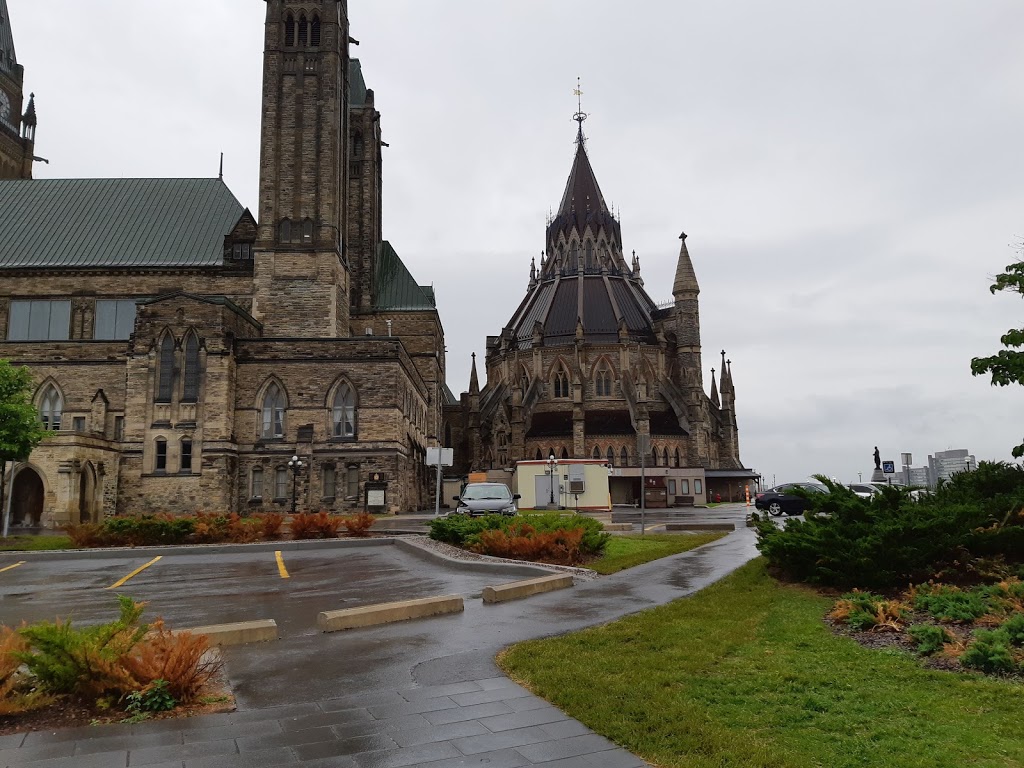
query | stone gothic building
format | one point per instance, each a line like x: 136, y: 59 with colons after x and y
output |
x: 589, y: 367
x: 17, y: 130
x: 184, y: 349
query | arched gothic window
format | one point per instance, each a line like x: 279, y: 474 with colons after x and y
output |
x: 191, y: 393
x: 307, y: 231
x: 597, y: 452
x: 539, y: 457
x: 611, y: 456
x: 273, y: 412
x: 604, y: 382
x: 314, y: 32
x: 677, y: 457
x: 664, y: 457
x: 574, y: 258
x: 160, y: 462
x: 589, y: 256
x: 286, y: 231
x: 51, y: 408
x: 303, y: 31
x: 654, y: 457
x: 565, y: 454
x: 561, y: 383
x: 343, y: 413
x: 165, y: 385
x: 289, y: 31
x: 625, y: 457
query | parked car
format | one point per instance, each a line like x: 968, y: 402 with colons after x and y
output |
x: 864, y: 490
x: 781, y: 499
x: 486, y: 499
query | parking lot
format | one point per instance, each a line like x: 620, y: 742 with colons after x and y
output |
x: 199, y: 586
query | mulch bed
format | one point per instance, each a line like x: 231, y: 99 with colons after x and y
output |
x: 68, y: 712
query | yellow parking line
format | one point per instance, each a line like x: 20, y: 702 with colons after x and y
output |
x: 11, y: 567
x: 280, y: 565
x: 134, y: 573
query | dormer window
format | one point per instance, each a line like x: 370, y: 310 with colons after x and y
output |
x: 241, y: 251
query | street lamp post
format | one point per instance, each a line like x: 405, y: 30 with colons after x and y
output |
x: 552, y: 468
x: 295, y: 464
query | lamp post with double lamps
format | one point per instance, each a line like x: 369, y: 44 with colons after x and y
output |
x: 552, y: 468
x: 295, y: 464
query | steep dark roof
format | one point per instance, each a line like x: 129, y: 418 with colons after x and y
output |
x: 62, y: 223
x: 551, y: 424
x: 394, y: 287
x: 356, y: 83
x: 608, y: 423
x: 582, y: 204
x: 8, y: 59
x: 665, y: 423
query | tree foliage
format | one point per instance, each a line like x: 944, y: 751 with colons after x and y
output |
x: 1007, y: 365
x: 20, y: 430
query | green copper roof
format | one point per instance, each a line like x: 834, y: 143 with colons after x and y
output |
x: 69, y: 223
x: 394, y: 286
x: 356, y: 83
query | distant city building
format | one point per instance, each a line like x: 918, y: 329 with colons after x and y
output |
x: 942, y: 465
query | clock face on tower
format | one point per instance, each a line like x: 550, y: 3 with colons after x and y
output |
x: 5, y: 107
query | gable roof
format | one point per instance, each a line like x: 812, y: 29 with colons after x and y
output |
x: 73, y: 223
x: 394, y: 287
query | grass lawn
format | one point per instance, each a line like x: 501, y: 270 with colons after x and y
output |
x: 627, y: 551
x: 745, y: 674
x: 34, y: 543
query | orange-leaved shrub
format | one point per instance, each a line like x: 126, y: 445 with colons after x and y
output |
x: 178, y: 658
x: 358, y: 524
x: 522, y: 542
x: 270, y: 524
x: 17, y: 694
x: 319, y: 525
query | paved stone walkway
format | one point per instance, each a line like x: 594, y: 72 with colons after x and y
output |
x: 423, y: 694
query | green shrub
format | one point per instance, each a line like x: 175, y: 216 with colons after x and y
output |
x: 155, y: 697
x: 85, y: 661
x: 891, y: 538
x: 455, y: 529
x: 1014, y: 629
x: 928, y: 638
x: 948, y: 603
x: 990, y: 652
x: 146, y: 530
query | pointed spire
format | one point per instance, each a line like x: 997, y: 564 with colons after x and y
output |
x: 474, y: 382
x: 686, y: 278
x: 714, y: 391
x: 728, y: 372
x: 533, y: 270
x: 8, y: 59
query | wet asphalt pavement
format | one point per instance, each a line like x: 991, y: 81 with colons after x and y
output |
x: 418, y: 693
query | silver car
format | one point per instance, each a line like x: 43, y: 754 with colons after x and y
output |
x: 486, y: 499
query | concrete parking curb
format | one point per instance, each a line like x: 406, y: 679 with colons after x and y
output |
x: 519, y: 589
x: 239, y: 633
x: 386, y: 613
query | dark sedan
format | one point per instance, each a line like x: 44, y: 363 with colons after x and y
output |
x: 781, y: 499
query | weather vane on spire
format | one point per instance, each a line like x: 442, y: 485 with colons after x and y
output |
x: 580, y: 115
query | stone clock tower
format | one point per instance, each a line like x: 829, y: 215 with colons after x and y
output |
x: 301, y: 267
x: 17, y: 130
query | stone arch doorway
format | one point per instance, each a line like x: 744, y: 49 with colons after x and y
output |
x: 27, y: 499
x: 87, y: 494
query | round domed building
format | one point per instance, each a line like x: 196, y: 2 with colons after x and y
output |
x: 589, y: 367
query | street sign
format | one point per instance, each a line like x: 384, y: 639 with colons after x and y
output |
x: 889, y: 467
x: 443, y: 456
x: 907, y: 459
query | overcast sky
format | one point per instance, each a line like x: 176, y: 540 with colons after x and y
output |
x: 850, y: 176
